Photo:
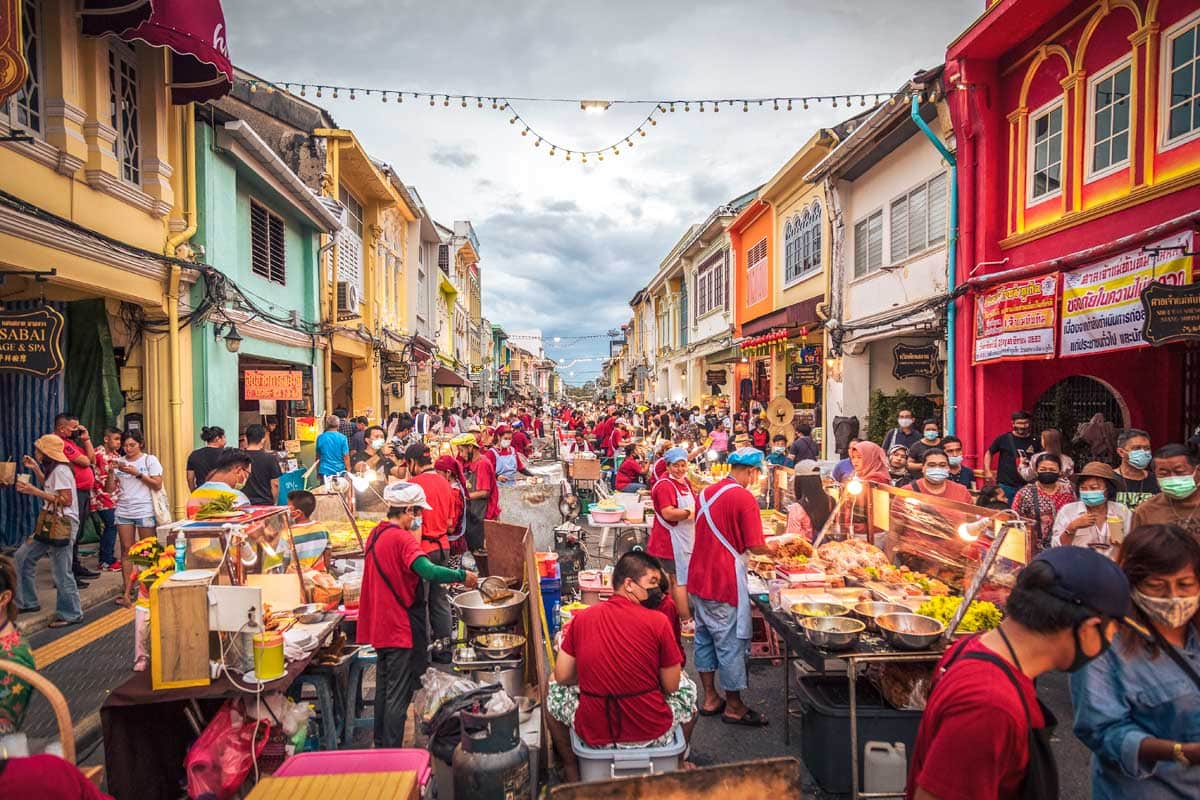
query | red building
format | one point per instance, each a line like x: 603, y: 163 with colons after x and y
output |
x: 1077, y: 127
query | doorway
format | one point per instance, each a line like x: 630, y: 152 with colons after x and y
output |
x: 1071, y: 405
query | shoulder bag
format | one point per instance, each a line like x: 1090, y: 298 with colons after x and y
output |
x: 52, y: 527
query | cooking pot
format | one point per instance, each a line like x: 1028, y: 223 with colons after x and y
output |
x: 478, y: 613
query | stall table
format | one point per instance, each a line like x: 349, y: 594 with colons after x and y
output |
x: 147, y: 735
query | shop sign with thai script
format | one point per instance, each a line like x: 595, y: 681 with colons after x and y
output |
x: 273, y: 384
x: 1172, y: 313
x: 13, y: 69
x: 1015, y: 320
x: 915, y: 361
x: 31, y: 341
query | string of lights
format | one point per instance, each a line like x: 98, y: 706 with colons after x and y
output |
x: 501, y: 103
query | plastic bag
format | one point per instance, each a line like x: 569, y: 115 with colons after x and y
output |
x: 499, y: 703
x: 141, y: 638
x: 228, y: 748
x: 436, y: 688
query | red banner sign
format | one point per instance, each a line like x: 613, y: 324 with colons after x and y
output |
x: 273, y: 384
x: 13, y: 69
x: 1016, y: 320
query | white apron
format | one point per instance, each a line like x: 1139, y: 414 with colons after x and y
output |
x: 683, y: 533
x: 740, y: 562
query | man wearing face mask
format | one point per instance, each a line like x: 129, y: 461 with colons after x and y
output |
x: 1012, y: 449
x: 984, y: 734
x: 906, y: 434
x: 225, y: 481
x: 623, y: 656
x: 931, y: 437
x: 954, y: 454
x: 434, y: 526
x: 1177, y: 469
x: 935, y: 479
x: 1133, y: 446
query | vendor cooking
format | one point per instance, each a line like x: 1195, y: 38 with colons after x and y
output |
x: 728, y: 528
x: 505, y: 458
x: 673, y: 534
x: 391, y: 615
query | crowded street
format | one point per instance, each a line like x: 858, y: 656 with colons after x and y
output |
x: 520, y: 401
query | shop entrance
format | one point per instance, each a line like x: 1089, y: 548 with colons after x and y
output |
x: 1070, y: 405
x: 343, y: 383
x: 1190, y: 413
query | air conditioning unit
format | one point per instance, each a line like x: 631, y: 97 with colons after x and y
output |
x: 348, y: 299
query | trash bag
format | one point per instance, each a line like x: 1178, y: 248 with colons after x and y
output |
x: 228, y: 748
x: 437, y: 687
x: 445, y: 729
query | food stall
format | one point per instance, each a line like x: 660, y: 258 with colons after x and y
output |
x: 891, y: 579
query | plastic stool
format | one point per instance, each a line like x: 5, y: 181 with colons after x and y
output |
x: 322, y: 683
x: 352, y: 721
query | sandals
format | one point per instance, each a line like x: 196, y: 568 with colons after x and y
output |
x: 123, y: 602
x: 751, y: 719
x: 718, y: 710
x: 62, y: 623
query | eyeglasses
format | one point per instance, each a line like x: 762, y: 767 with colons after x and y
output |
x: 410, y: 509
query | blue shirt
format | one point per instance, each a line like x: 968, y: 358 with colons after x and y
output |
x: 965, y: 476
x: 1122, y: 700
x: 779, y: 459
x: 332, y: 447
x: 843, y: 470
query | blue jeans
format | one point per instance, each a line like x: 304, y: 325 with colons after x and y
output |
x: 108, y: 537
x: 631, y: 488
x: 27, y: 558
x: 717, y: 644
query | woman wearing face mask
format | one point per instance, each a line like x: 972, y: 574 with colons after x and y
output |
x: 1041, y: 500
x: 897, y: 461
x: 1137, y: 707
x: 931, y: 437
x: 1096, y: 520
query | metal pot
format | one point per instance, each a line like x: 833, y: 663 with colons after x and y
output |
x: 868, y: 611
x: 477, y: 613
x: 832, y: 633
x: 498, y: 645
x: 909, y: 631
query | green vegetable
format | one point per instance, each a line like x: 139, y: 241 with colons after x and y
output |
x: 980, y: 616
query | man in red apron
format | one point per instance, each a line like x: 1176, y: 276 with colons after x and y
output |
x: 728, y: 528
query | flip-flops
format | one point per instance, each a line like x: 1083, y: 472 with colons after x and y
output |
x: 62, y: 623
x: 718, y: 710
x: 751, y: 719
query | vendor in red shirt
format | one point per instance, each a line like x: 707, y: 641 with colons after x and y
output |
x: 435, y: 542
x: 391, y: 612
x: 935, y: 478
x: 672, y: 536
x: 506, y: 460
x: 984, y: 734
x: 631, y: 475
x: 520, y: 440
x: 728, y: 527
x: 577, y: 444
x: 619, y: 678
x: 483, y: 493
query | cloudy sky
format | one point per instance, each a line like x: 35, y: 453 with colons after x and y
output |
x: 565, y: 245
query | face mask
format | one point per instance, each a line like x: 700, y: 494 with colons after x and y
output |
x: 1020, y: 433
x: 416, y: 524
x: 955, y: 461
x: 1141, y: 458
x: 1047, y: 478
x: 654, y: 597
x: 906, y: 422
x: 377, y: 444
x: 1081, y: 659
x: 776, y: 449
x: 1180, y: 487
x: 1093, y: 498
x: 505, y: 442
x: 239, y: 485
x: 1171, y: 612
x: 937, y: 474
x: 931, y: 435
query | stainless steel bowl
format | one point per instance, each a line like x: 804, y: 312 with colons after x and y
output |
x: 498, y: 645
x: 907, y: 631
x: 478, y: 613
x: 868, y: 611
x: 803, y: 611
x: 309, y: 613
x: 832, y: 633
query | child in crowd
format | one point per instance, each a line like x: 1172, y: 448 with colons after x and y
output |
x: 779, y: 454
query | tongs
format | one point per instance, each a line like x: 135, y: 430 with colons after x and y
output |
x: 494, y: 589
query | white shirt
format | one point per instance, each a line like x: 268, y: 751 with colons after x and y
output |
x: 61, y: 477
x: 1091, y: 535
x: 134, y: 500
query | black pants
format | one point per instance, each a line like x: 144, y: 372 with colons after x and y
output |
x: 437, y: 601
x: 397, y: 675
x: 83, y: 499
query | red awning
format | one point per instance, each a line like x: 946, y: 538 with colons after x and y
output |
x: 446, y: 377
x: 113, y: 16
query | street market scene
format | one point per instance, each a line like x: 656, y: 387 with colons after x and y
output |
x: 514, y: 400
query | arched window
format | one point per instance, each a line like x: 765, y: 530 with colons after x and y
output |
x: 791, y: 249
x: 814, y: 222
x: 802, y: 243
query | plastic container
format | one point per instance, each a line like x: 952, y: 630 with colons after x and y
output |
x: 336, y: 762
x: 602, y: 764
x: 351, y: 588
x: 552, y: 602
x: 607, y: 517
x: 268, y: 656
x: 547, y: 564
x: 825, y: 728
x: 885, y: 767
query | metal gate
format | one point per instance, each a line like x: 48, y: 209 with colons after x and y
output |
x: 1190, y: 417
x: 1072, y: 402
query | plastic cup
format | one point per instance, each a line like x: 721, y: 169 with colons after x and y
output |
x: 775, y: 588
x: 23, y: 477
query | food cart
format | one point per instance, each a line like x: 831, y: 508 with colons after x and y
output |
x: 844, y: 603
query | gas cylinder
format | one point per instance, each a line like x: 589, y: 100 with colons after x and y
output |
x: 491, y: 762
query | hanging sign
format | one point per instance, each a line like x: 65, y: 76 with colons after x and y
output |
x: 715, y: 377
x: 805, y: 375
x: 273, y: 384
x: 1172, y: 313
x: 915, y: 361
x: 13, y: 69
x: 1015, y: 320
x: 1101, y: 303
x: 31, y: 341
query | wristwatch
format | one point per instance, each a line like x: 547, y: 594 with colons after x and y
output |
x: 1180, y: 756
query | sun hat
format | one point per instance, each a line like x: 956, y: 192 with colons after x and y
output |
x: 403, y: 493
x: 1098, y: 469
x: 52, y: 447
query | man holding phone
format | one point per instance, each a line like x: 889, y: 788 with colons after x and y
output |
x: 77, y: 444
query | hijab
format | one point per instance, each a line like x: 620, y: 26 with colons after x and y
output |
x: 874, y: 463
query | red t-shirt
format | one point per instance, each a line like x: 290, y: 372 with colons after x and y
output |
x: 954, y: 491
x: 435, y: 522
x: 619, y: 648
x: 520, y: 442
x: 84, y: 477
x: 382, y: 617
x: 665, y: 492
x: 711, y: 572
x: 47, y: 777
x: 484, y: 473
x: 659, y: 470
x: 668, y: 609
x: 629, y: 472
x: 973, y: 742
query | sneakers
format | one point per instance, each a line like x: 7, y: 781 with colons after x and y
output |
x: 687, y: 628
x: 114, y: 566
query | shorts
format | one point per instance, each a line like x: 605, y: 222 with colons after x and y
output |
x: 717, y: 644
x: 563, y: 701
x: 140, y: 522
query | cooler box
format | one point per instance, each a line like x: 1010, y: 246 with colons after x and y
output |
x: 603, y: 764
x: 552, y: 602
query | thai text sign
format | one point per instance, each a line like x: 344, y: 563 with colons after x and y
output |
x: 273, y: 384
x: 13, y: 69
x: 31, y: 341
x: 1015, y: 320
x: 915, y: 361
x: 1172, y: 313
x: 1101, y: 303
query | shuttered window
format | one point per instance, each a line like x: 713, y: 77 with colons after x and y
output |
x: 712, y: 284
x: 267, y: 255
x: 24, y: 109
x: 868, y: 244
x: 756, y: 273
x: 917, y: 220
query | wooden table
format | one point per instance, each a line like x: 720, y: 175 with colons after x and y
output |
x: 360, y: 786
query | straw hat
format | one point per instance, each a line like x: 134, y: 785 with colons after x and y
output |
x: 1098, y: 469
x: 52, y: 447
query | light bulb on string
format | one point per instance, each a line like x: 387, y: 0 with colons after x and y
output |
x: 600, y: 156
x: 848, y: 101
x: 653, y: 122
x: 835, y: 102
x: 716, y: 108
x: 302, y: 90
x: 687, y: 107
x: 494, y: 106
x: 538, y: 143
x: 776, y: 105
x: 701, y: 106
x: 616, y: 152
x: 318, y: 91
x: 512, y: 121
x: 480, y: 102
x: 445, y: 100
x: 672, y: 108
x: 400, y: 97
x: 760, y: 102
x: 335, y: 96
x: 642, y: 132
x: 352, y: 94
x: 464, y: 102
x: 745, y: 107
x: 552, y: 149
x: 862, y: 101
x: 430, y: 99
x: 525, y: 132
x: 629, y: 142
x: 253, y: 87
x: 384, y: 96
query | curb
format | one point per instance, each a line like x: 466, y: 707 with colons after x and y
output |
x: 42, y: 619
x: 88, y: 733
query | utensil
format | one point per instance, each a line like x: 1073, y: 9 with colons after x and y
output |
x: 868, y: 611
x: 832, y: 633
x: 498, y: 645
x: 802, y: 611
x: 494, y: 589
x: 476, y: 612
x: 908, y: 631
x: 309, y: 613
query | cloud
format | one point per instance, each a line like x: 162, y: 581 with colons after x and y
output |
x: 453, y: 156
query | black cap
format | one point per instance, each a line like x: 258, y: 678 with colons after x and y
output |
x: 416, y: 452
x: 1089, y: 579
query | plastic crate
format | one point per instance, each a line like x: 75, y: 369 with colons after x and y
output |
x: 606, y: 763
x: 825, y: 727
x: 341, y: 762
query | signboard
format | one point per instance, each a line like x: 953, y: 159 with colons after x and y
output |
x: 1015, y: 320
x: 1172, y: 313
x: 396, y: 371
x: 13, y: 69
x: 31, y: 341
x: 273, y: 384
x: 1101, y: 303
x: 915, y: 361
x: 805, y: 374
x: 715, y: 377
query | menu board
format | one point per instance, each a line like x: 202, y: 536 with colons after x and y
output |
x: 1102, y: 310
x: 1015, y: 320
x: 273, y: 384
